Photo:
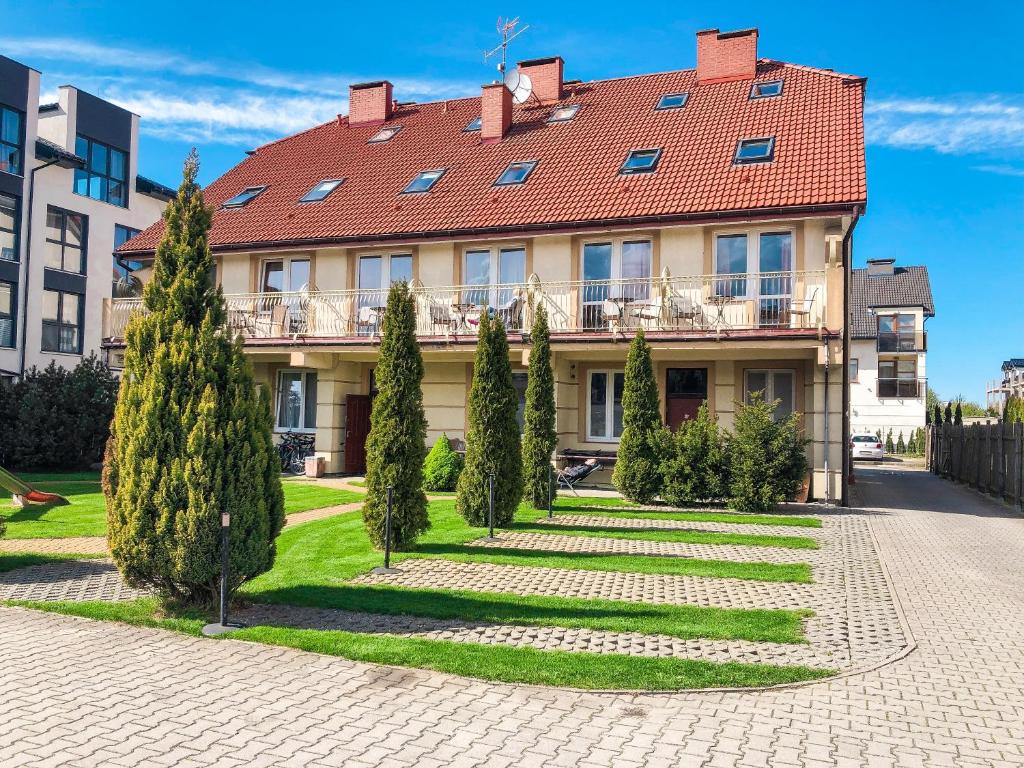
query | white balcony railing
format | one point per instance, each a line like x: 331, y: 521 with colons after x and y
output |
x: 703, y: 304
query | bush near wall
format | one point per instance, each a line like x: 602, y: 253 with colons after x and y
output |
x: 442, y: 467
x: 56, y: 418
x: 767, y: 459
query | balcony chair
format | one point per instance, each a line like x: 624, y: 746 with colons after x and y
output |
x: 511, y: 313
x: 441, y: 318
x: 610, y: 312
x: 800, y: 310
x: 367, y: 319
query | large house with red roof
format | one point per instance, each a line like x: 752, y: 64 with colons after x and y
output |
x: 713, y: 207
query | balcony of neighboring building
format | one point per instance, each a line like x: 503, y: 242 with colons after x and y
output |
x: 902, y: 341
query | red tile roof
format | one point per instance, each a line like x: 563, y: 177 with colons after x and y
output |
x: 819, y: 162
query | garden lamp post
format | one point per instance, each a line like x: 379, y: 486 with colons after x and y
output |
x: 386, y: 568
x: 222, y: 626
x: 490, y: 509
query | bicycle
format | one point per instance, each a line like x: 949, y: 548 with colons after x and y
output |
x: 293, y: 450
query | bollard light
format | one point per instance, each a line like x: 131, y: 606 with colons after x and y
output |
x: 490, y: 509
x: 222, y: 626
x: 386, y: 568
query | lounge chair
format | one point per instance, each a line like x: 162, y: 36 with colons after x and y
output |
x: 571, y: 476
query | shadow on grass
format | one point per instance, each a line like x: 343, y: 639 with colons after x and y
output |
x: 15, y: 561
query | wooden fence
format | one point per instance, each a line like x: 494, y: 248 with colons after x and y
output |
x: 989, y: 457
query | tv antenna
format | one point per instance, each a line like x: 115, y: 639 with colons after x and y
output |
x: 507, y: 30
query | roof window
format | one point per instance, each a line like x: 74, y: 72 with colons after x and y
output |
x: 321, y: 190
x: 563, y: 114
x: 474, y: 125
x: 384, y: 134
x: 516, y: 173
x: 424, y: 181
x: 244, y: 197
x: 766, y: 89
x: 755, y: 150
x: 673, y: 101
x: 641, y: 161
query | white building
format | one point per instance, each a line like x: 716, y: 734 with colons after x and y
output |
x: 69, y: 195
x: 1010, y: 385
x: 889, y: 306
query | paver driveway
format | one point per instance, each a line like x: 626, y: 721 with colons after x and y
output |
x: 76, y: 692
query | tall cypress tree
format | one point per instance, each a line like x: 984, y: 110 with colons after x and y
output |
x: 539, y: 436
x: 947, y: 415
x: 396, y: 445
x: 958, y: 415
x: 637, y: 472
x: 937, y: 416
x: 191, y: 435
x: 492, y: 442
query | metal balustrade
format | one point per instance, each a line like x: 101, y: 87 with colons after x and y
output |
x: 907, y: 389
x: 711, y: 304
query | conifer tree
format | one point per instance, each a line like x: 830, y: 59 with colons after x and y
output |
x: 937, y: 416
x: 191, y: 435
x: 442, y: 466
x: 492, y: 441
x: 694, y: 469
x: 901, y: 446
x: 890, y: 447
x: 947, y: 415
x: 958, y: 415
x: 637, y: 472
x: 767, y: 458
x: 396, y: 445
x: 539, y: 436
x: 912, y: 442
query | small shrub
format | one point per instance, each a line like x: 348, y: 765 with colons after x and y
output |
x: 912, y: 442
x: 767, y: 460
x: 901, y: 447
x: 694, y: 466
x: 442, y: 467
x: 637, y: 473
x: 889, y: 446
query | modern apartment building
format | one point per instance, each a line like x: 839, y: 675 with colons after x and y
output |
x: 69, y: 196
x: 714, y: 207
x: 1010, y: 384
x: 889, y: 307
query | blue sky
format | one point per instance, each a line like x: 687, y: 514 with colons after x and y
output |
x: 945, y: 112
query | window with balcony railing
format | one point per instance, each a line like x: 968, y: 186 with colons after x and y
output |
x: 899, y: 333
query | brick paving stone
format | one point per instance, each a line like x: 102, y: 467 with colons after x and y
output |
x: 953, y: 557
x: 636, y: 524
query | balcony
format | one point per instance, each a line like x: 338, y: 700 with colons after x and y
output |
x: 903, y: 341
x: 905, y: 389
x: 709, y: 305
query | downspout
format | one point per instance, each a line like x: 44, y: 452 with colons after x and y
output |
x: 847, y: 254
x: 28, y: 263
x: 828, y: 444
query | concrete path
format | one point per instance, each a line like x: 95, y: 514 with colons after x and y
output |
x: 80, y: 693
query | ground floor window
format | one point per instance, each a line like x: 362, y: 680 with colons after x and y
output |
x: 62, y: 322
x: 604, y: 411
x: 519, y: 382
x: 773, y: 384
x: 8, y: 301
x: 296, y: 400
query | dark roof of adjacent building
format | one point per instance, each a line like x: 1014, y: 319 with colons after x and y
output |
x: 1013, y: 362
x: 906, y: 287
x: 818, y: 164
x: 48, y: 150
x: 154, y: 189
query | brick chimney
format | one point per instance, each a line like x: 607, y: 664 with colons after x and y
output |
x: 495, y: 112
x: 369, y: 103
x: 724, y: 56
x: 546, y: 76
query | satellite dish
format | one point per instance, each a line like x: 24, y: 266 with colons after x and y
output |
x: 519, y: 84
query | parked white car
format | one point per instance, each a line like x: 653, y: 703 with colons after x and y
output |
x: 866, y: 446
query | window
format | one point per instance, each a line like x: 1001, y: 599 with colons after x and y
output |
x: 474, y: 125
x: 673, y: 101
x: 9, y: 226
x: 123, y: 268
x: 8, y: 303
x: 755, y: 150
x: 563, y: 114
x: 516, y: 173
x: 65, y: 240
x: 497, y: 271
x: 296, y: 401
x: 641, y: 161
x: 376, y: 274
x: 898, y: 378
x: 321, y: 190
x: 384, y: 134
x: 604, y: 412
x: 854, y: 368
x: 105, y: 174
x: 244, y: 197
x: 62, y: 322
x: 896, y: 333
x: 424, y: 181
x: 773, y: 384
x: 747, y: 255
x: 766, y: 89
x: 616, y: 272
x: 11, y: 140
x: 284, y: 275
x: 519, y: 381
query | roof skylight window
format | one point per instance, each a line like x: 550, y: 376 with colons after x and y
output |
x: 563, y: 114
x: 766, y: 89
x: 424, y: 181
x: 641, y: 161
x: 244, y: 197
x: 384, y: 134
x: 321, y: 190
x: 474, y: 125
x: 673, y: 101
x: 516, y: 173
x: 755, y: 150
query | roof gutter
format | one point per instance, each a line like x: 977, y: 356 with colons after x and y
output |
x: 547, y: 228
x: 847, y: 251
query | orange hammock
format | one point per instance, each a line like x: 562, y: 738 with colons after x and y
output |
x: 24, y: 493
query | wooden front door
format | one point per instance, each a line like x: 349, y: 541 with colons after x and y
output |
x: 685, y: 390
x: 357, y: 427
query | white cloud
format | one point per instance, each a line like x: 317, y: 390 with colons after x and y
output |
x: 1002, y: 169
x: 964, y: 125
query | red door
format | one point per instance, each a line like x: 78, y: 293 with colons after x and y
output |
x: 357, y: 418
x: 685, y: 390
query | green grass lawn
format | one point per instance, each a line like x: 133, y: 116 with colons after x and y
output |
x: 86, y: 514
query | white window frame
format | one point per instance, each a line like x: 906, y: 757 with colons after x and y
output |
x: 770, y: 394
x: 753, y: 285
x: 494, y: 268
x: 616, y: 265
x: 854, y: 368
x: 303, y: 372
x: 609, y: 405
x: 286, y: 277
x: 385, y: 268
